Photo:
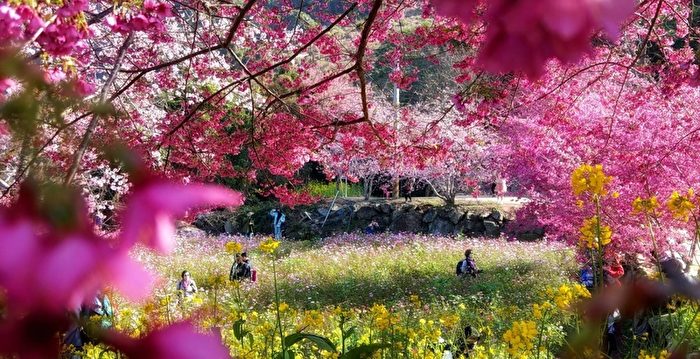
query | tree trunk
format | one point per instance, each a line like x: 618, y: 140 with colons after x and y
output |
x: 21, y: 159
x: 397, y: 188
x: 368, y: 187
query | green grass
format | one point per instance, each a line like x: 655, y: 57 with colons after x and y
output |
x: 329, y: 189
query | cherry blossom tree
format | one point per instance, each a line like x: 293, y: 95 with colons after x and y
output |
x: 197, y: 88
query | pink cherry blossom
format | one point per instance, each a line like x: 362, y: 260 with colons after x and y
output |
x: 10, y: 25
x: 84, y: 88
x: 462, y: 10
x: 72, y: 7
x: 60, y: 38
x: 524, y: 35
x: 157, y: 8
x: 154, y: 206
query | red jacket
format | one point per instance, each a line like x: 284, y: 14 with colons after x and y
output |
x: 616, y: 271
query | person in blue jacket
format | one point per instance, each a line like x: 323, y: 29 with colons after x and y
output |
x: 277, y: 219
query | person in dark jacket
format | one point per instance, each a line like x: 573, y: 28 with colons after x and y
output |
x: 240, y: 269
x: 467, y: 266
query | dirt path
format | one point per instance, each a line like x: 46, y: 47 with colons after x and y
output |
x: 507, y: 204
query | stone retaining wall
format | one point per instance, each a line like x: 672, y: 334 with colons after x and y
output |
x: 306, y: 222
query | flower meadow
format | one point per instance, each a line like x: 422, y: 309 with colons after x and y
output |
x: 393, y: 293
x: 385, y: 295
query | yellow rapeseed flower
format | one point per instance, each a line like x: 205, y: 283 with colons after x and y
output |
x: 589, y: 233
x: 233, y: 247
x: 537, y: 311
x: 312, y: 319
x: 645, y: 205
x: 563, y: 297
x: 643, y: 354
x: 381, y: 316
x: 283, y: 307
x: 681, y: 206
x: 520, y: 337
x: 449, y: 320
x: 581, y: 291
x: 589, y: 179
x: 269, y: 245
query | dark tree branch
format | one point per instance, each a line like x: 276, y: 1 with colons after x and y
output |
x: 95, y: 118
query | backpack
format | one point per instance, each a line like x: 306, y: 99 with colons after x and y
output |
x: 459, y: 267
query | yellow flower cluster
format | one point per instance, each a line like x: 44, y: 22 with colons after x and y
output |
x: 382, y: 318
x: 520, y: 337
x: 645, y: 205
x: 664, y: 354
x: 415, y: 300
x: 589, y: 233
x: 428, y: 332
x: 311, y: 320
x: 567, y: 293
x: 589, y: 179
x: 449, y: 320
x: 681, y: 206
x: 233, y: 247
x: 269, y: 245
x: 283, y: 307
x: 479, y: 352
x: 538, y: 310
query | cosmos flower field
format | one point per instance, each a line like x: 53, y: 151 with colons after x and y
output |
x: 394, y: 290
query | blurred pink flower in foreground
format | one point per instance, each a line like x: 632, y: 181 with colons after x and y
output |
x: 523, y: 35
x: 178, y: 341
x: 51, y: 262
x: 153, y: 207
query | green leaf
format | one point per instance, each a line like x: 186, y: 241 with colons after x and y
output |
x: 251, y: 339
x: 287, y: 354
x: 238, y: 330
x: 320, y: 342
x: 363, y: 351
x: 349, y: 332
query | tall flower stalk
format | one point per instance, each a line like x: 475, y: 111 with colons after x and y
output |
x: 269, y: 246
x: 590, y: 182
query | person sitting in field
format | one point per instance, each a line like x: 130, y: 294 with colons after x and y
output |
x: 240, y: 269
x: 88, y: 320
x: 467, y: 266
x: 187, y: 284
